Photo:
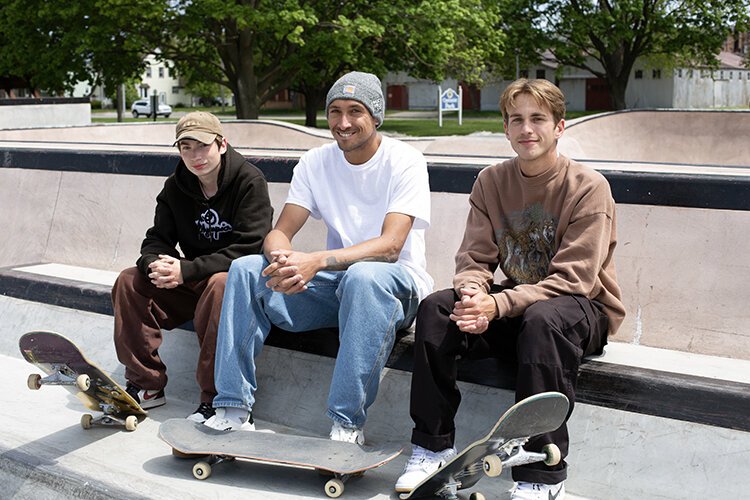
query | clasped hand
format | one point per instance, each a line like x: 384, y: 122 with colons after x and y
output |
x: 473, y: 312
x: 165, y: 272
x: 290, y: 271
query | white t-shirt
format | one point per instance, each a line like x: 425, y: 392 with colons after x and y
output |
x: 353, y: 200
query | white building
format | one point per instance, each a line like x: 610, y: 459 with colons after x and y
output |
x: 649, y: 87
x: 158, y: 78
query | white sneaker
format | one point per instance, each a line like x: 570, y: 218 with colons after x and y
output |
x: 537, y: 491
x: 422, y: 463
x: 231, y: 419
x: 347, y: 434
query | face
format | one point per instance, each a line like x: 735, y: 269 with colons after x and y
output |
x: 532, y: 131
x: 354, y: 129
x: 203, y: 160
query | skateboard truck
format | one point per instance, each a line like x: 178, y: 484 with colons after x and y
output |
x: 512, y: 453
x: 59, y: 376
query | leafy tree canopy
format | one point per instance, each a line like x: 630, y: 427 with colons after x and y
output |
x: 606, y: 37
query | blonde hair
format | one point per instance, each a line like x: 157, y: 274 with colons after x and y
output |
x: 544, y: 92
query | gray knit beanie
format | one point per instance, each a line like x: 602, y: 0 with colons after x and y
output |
x: 362, y: 87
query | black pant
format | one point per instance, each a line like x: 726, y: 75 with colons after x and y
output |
x: 547, y: 343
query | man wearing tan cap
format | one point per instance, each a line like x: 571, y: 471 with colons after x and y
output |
x: 215, y: 207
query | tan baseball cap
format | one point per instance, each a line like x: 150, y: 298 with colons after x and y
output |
x: 200, y: 126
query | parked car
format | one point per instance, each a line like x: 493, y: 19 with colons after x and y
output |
x: 143, y: 107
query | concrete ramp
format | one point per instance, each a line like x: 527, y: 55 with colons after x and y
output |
x: 665, y: 136
x: 260, y: 134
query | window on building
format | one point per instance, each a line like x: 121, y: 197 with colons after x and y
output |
x: 541, y: 74
x: 524, y: 73
x: 656, y: 74
x: 161, y: 72
x: 638, y: 74
x: 148, y: 72
x: 175, y: 90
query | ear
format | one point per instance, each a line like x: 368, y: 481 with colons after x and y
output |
x: 559, y: 128
x: 223, y: 146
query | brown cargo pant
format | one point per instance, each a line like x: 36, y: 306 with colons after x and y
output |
x: 142, y: 310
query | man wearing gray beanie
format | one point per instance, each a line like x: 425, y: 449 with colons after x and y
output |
x: 372, y: 193
x: 362, y: 87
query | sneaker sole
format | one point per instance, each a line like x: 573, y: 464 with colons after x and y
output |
x: 147, y: 405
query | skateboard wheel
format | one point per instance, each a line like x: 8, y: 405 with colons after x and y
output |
x: 202, y: 470
x: 492, y: 466
x: 334, y: 488
x: 553, y: 454
x: 86, y: 421
x: 34, y: 382
x: 476, y: 496
x: 131, y: 423
x: 83, y: 382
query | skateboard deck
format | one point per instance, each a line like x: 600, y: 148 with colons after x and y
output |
x: 501, y: 447
x: 65, y: 365
x: 342, y: 460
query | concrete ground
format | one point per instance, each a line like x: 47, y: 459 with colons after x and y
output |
x: 44, y: 453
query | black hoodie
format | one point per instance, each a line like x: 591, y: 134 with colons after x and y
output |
x: 210, y: 233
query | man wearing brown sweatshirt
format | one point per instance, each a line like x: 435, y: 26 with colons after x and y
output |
x: 548, y: 224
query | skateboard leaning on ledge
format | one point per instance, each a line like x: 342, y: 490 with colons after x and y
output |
x: 501, y: 447
x: 342, y: 460
x: 64, y: 364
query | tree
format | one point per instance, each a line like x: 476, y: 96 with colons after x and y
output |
x: 606, y: 37
x: 426, y: 39
x: 257, y: 48
x: 55, y: 45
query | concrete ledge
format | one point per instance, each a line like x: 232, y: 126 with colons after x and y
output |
x: 691, y: 396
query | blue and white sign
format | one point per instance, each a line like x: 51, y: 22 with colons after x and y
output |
x: 450, y: 100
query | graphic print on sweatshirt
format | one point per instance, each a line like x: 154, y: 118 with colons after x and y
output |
x: 528, y: 245
x: 210, y: 227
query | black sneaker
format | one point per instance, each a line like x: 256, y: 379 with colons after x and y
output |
x: 203, y: 413
x: 147, y: 399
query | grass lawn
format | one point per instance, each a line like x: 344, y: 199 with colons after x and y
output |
x: 473, y: 121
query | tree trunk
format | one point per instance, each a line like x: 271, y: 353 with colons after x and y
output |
x: 617, y: 87
x: 120, y: 99
x: 313, y: 100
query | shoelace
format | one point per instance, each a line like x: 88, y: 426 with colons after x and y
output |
x: 205, y: 409
x: 417, y: 458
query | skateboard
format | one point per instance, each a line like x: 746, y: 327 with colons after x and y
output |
x: 342, y: 460
x: 501, y: 447
x: 62, y: 362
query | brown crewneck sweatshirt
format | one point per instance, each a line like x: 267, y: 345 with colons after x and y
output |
x: 553, y: 234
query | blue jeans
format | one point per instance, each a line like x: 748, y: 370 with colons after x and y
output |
x: 368, y: 302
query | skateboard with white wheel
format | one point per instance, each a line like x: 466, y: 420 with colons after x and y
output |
x: 501, y: 448
x: 64, y: 364
x: 343, y: 461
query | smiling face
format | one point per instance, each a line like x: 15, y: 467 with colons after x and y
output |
x: 533, y: 133
x: 354, y: 129
x: 203, y: 160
